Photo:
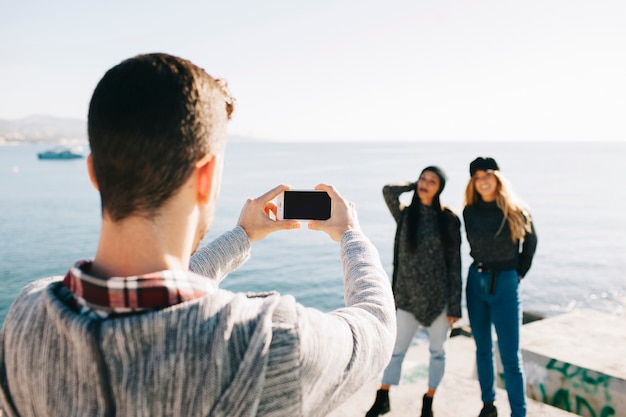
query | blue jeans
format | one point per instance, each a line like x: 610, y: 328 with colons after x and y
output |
x: 497, y: 304
x: 438, y: 333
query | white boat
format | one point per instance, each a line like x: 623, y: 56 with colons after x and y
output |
x: 60, y: 152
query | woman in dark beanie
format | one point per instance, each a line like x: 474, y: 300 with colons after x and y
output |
x: 502, y: 241
x: 426, y: 278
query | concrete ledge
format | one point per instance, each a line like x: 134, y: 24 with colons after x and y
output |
x: 577, y: 362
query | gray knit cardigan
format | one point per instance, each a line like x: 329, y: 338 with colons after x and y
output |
x: 225, y: 354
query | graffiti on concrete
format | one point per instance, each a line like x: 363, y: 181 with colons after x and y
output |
x: 582, y: 391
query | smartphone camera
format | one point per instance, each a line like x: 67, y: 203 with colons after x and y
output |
x: 303, y: 205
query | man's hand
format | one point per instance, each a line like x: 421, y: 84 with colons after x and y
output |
x: 342, y: 215
x: 255, y: 216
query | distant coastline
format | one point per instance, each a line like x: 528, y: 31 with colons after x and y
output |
x: 37, y: 141
x: 43, y: 129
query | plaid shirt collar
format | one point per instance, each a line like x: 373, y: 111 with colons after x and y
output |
x: 124, y: 295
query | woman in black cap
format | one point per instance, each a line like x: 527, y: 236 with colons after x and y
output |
x: 426, y: 278
x: 502, y: 241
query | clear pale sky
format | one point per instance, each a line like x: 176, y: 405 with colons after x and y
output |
x: 343, y: 70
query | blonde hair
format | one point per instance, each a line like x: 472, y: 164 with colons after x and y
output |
x: 514, y: 210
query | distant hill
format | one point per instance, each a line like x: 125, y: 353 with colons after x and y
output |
x: 42, y: 128
x: 50, y: 129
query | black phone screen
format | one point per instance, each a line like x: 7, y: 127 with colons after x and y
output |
x: 306, y: 205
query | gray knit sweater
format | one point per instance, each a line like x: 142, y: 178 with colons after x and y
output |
x: 427, y: 278
x: 225, y: 354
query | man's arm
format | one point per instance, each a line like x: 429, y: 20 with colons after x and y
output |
x: 340, y: 350
x: 229, y: 251
x: 343, y: 349
x: 222, y: 256
x: 347, y: 347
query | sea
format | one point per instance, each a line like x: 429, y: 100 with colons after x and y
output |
x: 50, y: 214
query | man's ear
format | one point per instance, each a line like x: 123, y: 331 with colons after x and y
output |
x: 92, y: 174
x: 205, y: 171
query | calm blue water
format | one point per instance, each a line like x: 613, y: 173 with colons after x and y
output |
x: 49, y: 214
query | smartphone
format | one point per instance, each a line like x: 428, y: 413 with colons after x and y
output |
x: 303, y: 205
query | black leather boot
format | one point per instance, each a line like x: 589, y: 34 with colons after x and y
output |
x: 427, y: 406
x: 489, y: 410
x: 381, y: 405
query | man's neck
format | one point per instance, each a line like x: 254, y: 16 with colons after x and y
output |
x: 137, y: 246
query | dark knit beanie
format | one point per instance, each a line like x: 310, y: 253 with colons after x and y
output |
x: 484, y: 164
x: 440, y: 173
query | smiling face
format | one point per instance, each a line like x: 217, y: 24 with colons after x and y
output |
x: 428, y: 186
x: 486, y: 184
